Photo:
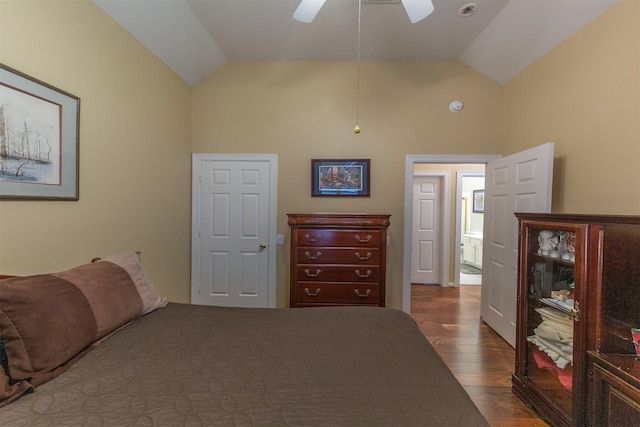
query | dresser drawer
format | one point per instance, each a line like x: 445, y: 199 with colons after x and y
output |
x: 338, y: 273
x: 322, y: 255
x: 336, y: 293
x: 330, y: 237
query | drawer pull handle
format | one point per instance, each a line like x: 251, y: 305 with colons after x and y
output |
x: 311, y: 239
x: 363, y: 258
x: 366, y: 222
x: 309, y: 256
x: 367, y: 240
x: 359, y: 295
x: 363, y: 276
x: 317, y: 273
x: 312, y: 294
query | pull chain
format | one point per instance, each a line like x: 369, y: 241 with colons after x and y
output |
x: 356, y: 130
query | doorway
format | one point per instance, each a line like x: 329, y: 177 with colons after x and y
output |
x: 447, y: 252
x: 470, y: 197
x: 447, y: 221
x: 520, y: 182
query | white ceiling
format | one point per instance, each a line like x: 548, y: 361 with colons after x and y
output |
x: 503, y: 37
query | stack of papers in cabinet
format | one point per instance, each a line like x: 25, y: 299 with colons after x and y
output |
x: 566, y: 306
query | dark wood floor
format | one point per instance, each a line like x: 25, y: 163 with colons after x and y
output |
x: 479, y: 358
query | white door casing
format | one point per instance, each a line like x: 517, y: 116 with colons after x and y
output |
x: 427, y: 228
x: 234, y: 229
x: 517, y: 183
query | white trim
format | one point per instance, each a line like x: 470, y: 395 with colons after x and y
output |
x: 197, y: 159
x: 410, y: 162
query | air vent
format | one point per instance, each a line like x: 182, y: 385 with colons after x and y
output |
x: 468, y: 9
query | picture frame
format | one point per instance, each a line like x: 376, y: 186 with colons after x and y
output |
x: 478, y: 201
x: 39, y: 139
x: 340, y: 177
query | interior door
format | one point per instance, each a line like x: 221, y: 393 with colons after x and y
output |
x: 425, y: 260
x: 517, y: 183
x: 233, y: 252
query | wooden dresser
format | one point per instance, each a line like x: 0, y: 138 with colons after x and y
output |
x: 338, y: 259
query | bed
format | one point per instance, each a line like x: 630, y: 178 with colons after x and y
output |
x: 188, y: 365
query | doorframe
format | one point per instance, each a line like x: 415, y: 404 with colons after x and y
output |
x: 458, y: 236
x: 410, y: 161
x: 272, y: 159
x: 443, y: 233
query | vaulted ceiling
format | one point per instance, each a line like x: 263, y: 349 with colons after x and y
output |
x: 502, y: 37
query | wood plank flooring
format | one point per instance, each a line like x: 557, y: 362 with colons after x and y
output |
x: 478, y: 357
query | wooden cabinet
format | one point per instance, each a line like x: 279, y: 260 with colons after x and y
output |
x: 614, y: 370
x: 550, y: 334
x: 614, y: 392
x: 578, y: 298
x: 337, y: 259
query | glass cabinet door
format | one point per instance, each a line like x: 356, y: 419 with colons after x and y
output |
x: 553, y: 259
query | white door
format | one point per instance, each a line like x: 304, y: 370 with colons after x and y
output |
x: 233, y: 227
x: 517, y: 183
x: 425, y: 260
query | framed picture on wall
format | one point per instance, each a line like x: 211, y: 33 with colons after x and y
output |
x: 39, y: 139
x: 340, y: 177
x: 478, y: 201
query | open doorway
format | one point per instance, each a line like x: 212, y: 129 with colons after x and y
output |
x: 450, y: 253
x: 447, y: 221
x: 519, y: 182
x: 470, y: 197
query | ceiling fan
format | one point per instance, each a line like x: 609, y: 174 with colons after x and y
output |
x: 417, y: 10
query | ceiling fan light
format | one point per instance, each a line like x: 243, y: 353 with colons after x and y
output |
x: 307, y: 10
x: 417, y: 10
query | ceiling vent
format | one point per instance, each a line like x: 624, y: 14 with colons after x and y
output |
x: 468, y: 9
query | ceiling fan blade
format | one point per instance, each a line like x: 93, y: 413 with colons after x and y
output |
x: 417, y: 9
x: 307, y: 10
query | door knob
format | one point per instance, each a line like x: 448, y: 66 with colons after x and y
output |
x: 262, y: 246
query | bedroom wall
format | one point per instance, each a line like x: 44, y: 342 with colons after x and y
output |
x: 585, y: 96
x: 135, y: 136
x: 302, y: 110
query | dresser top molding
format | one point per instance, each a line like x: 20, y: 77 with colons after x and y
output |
x: 338, y: 219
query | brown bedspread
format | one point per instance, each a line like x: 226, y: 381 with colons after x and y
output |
x: 187, y: 365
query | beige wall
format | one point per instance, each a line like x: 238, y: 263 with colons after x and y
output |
x: 140, y: 122
x: 135, y: 145
x: 585, y: 96
x: 302, y: 110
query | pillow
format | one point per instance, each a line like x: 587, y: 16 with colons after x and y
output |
x: 130, y: 262
x: 49, y: 321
